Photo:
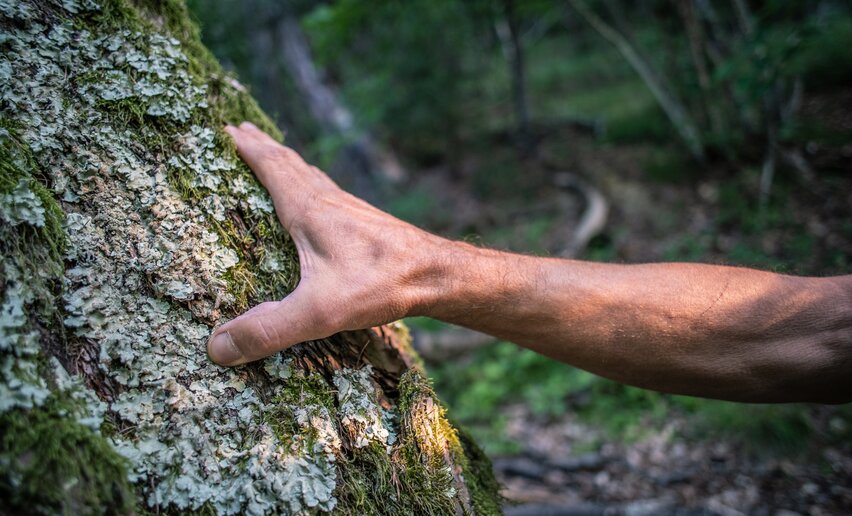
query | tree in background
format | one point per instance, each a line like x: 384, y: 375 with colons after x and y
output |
x: 410, y: 62
x: 296, y: 90
x: 360, y: 157
x: 724, y: 73
x: 659, y: 87
x: 130, y: 228
x: 731, y: 84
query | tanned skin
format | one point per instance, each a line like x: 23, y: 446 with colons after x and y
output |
x: 703, y: 330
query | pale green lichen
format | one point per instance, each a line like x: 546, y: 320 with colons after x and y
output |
x: 52, y: 458
x: 199, y: 158
x: 22, y: 206
x: 162, y: 237
x: 149, y: 69
x: 359, y: 409
x: 21, y: 384
x: 194, y: 425
x: 277, y: 367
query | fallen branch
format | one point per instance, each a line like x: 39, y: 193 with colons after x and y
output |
x: 535, y: 466
x: 593, y: 220
x: 449, y: 343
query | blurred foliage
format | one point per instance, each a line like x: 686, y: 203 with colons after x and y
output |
x: 825, y: 60
x: 430, y: 76
x: 406, y: 65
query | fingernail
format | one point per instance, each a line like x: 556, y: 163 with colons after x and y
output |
x: 223, y: 351
x: 249, y: 124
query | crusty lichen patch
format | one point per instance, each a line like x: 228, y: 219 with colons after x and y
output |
x: 52, y: 456
x: 115, y: 111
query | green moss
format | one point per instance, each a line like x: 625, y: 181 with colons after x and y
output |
x: 406, y: 346
x: 371, y: 481
x: 428, y: 439
x: 301, y: 390
x: 228, y: 104
x: 414, y: 476
x: 52, y: 464
x: 49, y: 463
x: 113, y: 14
x: 17, y: 163
x: 37, y: 251
x: 364, y: 483
x: 479, y: 476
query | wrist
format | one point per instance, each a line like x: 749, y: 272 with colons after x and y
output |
x: 431, y: 281
x: 454, y: 280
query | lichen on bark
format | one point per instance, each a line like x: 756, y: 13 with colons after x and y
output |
x: 130, y: 229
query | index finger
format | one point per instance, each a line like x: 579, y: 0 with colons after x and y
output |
x: 287, y: 177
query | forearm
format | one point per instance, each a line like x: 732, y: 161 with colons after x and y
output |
x: 703, y: 330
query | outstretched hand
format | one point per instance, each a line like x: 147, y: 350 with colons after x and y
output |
x: 360, y: 267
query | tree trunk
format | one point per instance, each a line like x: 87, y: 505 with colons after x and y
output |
x: 362, y: 163
x: 508, y: 31
x: 697, y: 44
x: 130, y: 228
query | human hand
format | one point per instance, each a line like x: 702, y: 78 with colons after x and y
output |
x: 360, y: 267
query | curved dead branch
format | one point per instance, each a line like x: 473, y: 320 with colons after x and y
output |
x: 448, y: 343
x: 592, y: 221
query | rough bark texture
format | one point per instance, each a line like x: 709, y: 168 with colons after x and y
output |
x: 129, y: 229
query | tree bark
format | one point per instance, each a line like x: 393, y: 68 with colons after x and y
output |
x: 130, y: 229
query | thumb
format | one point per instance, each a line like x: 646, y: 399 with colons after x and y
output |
x: 264, y: 330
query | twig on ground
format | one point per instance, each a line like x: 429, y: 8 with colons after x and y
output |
x: 594, y: 217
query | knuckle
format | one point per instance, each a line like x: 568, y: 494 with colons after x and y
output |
x: 327, y: 320
x: 270, y: 154
x: 281, y: 152
x: 267, y: 338
x: 273, y: 153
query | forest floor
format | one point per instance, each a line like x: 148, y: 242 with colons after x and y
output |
x: 665, y: 472
x: 661, y: 209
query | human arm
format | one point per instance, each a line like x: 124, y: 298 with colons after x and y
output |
x: 703, y: 330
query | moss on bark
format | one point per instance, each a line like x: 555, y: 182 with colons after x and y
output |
x: 52, y: 464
